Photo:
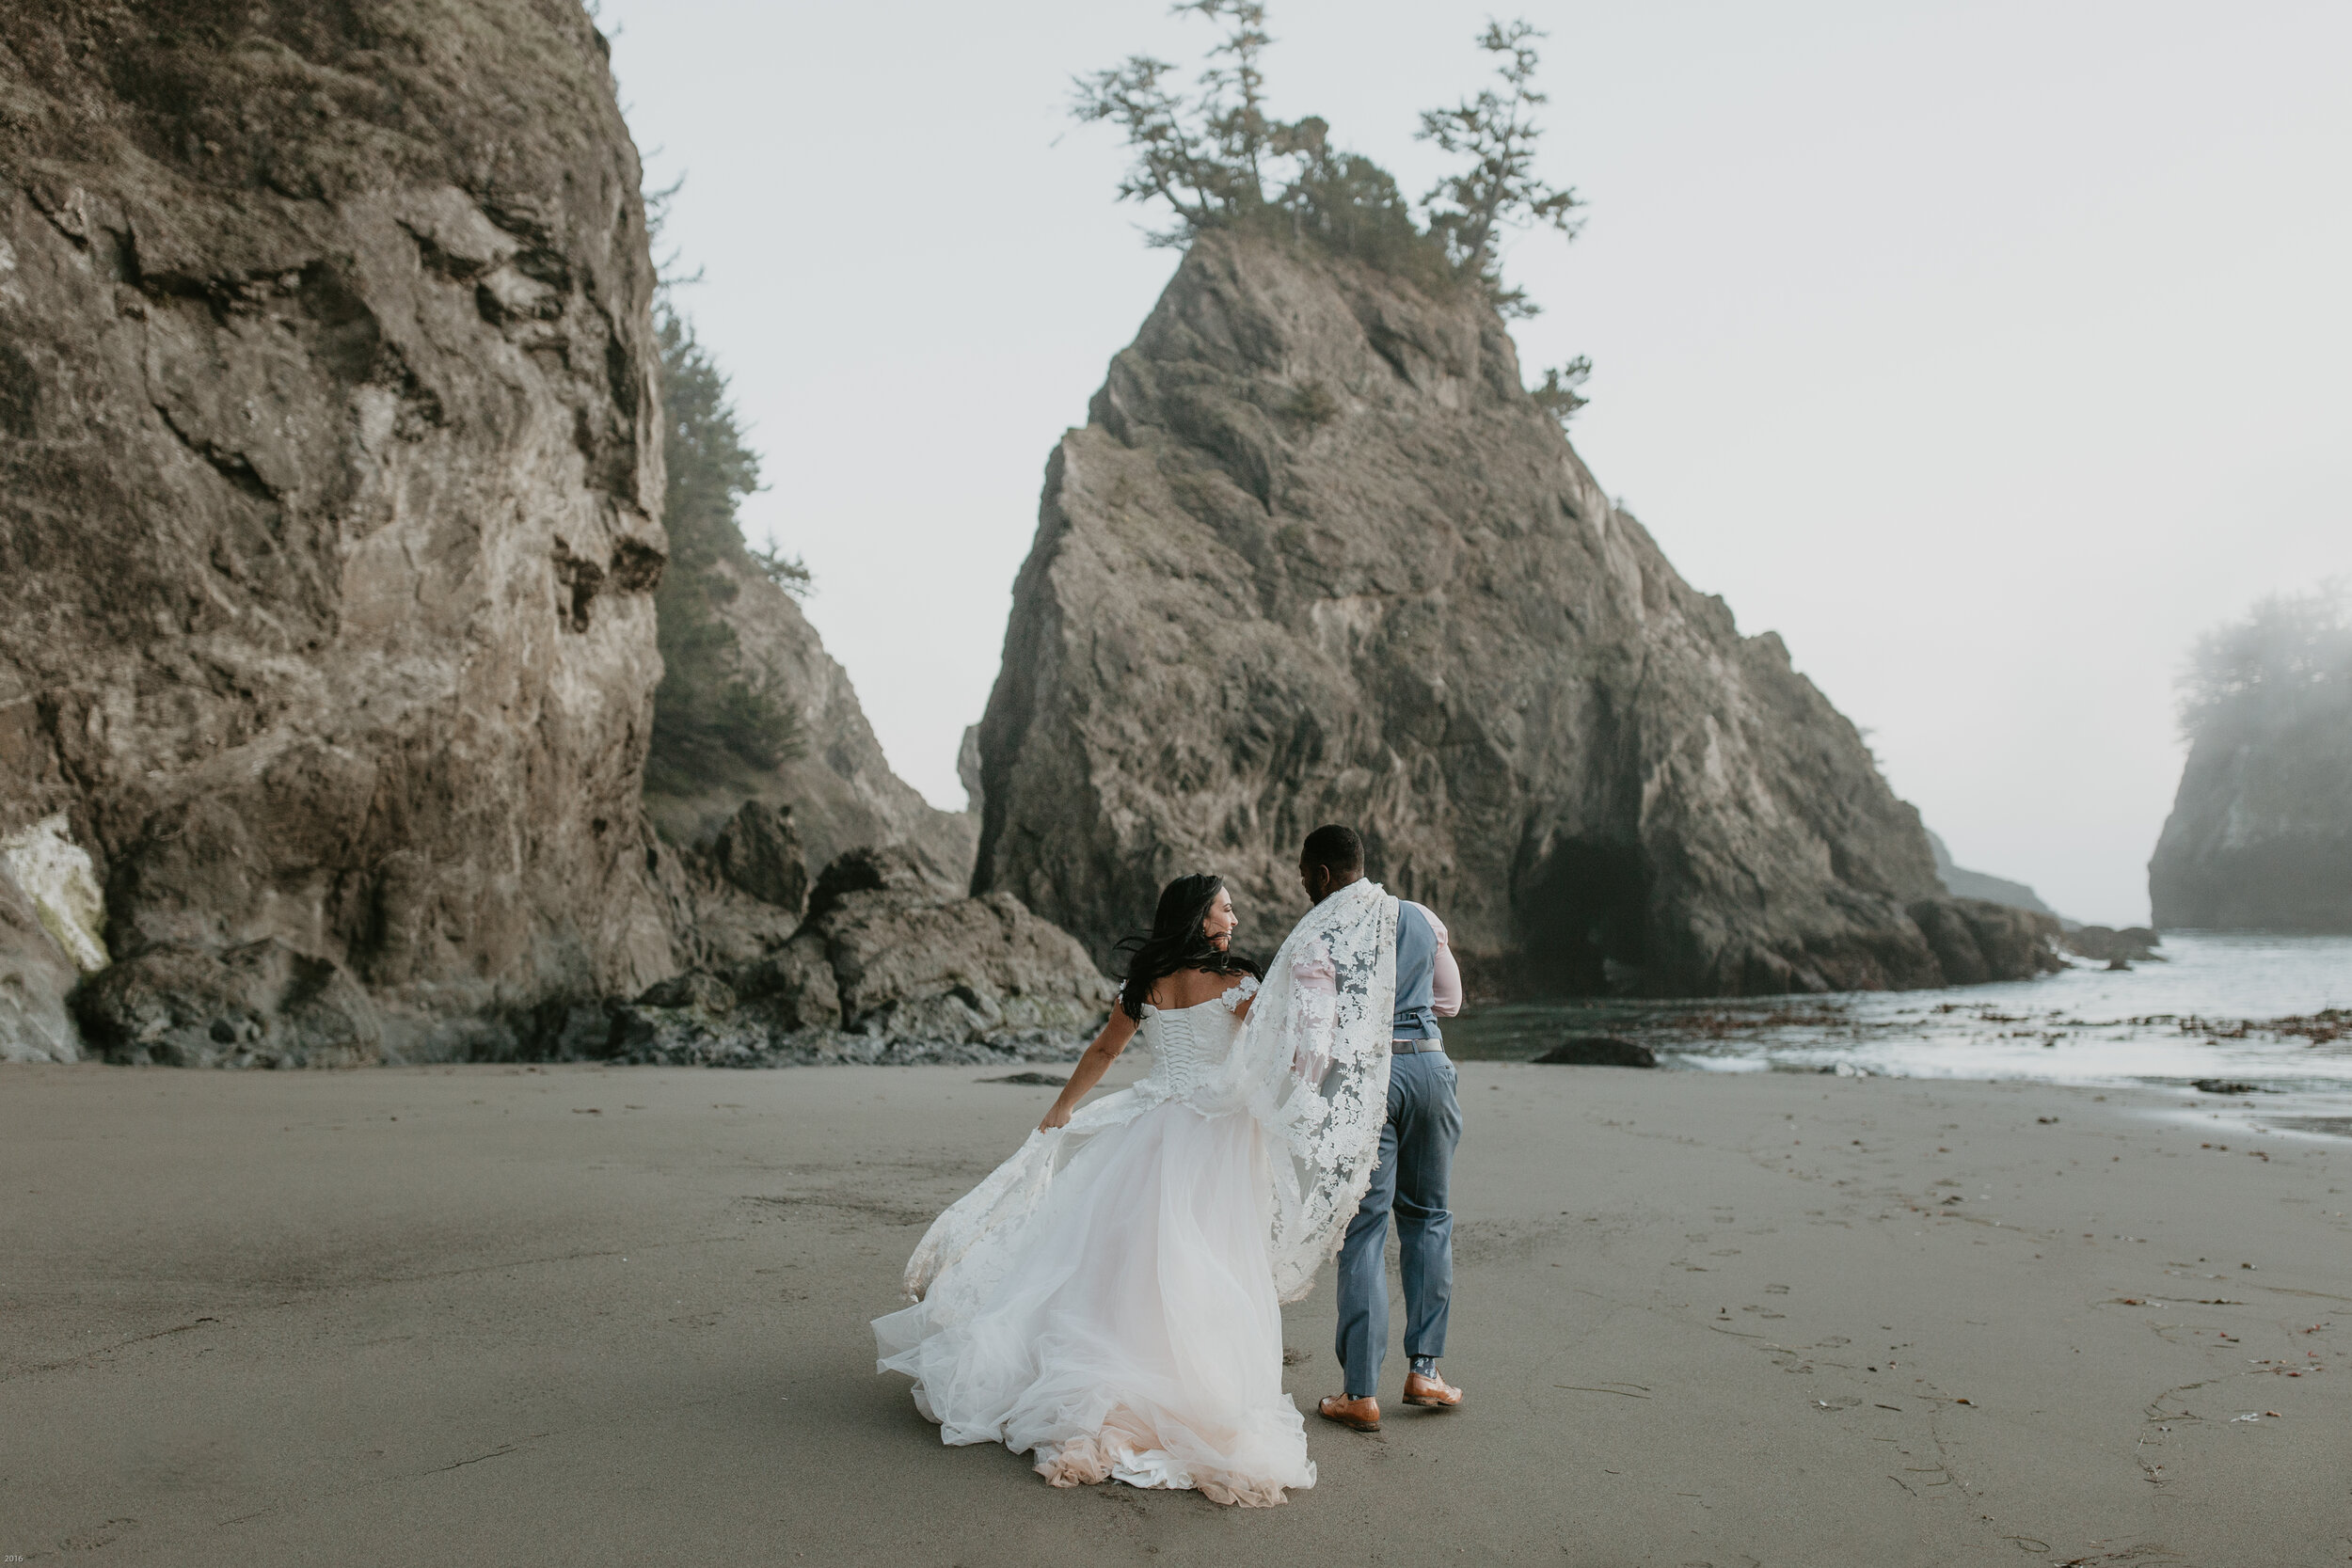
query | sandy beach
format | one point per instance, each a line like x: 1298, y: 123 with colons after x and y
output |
x: 497, y: 1315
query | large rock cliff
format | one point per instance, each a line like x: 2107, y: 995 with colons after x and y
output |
x: 1318, y: 556
x: 2260, y: 837
x: 328, y: 508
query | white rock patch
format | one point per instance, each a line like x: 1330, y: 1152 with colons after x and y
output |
x: 56, y: 874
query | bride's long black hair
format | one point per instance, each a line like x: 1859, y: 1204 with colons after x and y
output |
x: 1177, y: 941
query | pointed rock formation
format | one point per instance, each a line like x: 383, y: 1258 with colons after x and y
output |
x: 838, y: 785
x: 1317, y: 557
x: 1960, y: 882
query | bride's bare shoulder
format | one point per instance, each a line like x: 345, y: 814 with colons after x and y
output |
x: 1188, y: 988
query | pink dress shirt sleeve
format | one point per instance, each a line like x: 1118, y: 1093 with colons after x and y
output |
x: 1445, y: 986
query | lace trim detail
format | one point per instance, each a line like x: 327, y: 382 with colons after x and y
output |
x: 1312, y: 1065
x: 1228, y: 1000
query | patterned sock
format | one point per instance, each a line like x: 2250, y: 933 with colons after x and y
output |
x: 1425, y: 1365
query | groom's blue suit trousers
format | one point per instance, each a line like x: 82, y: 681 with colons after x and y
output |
x: 1416, y: 1165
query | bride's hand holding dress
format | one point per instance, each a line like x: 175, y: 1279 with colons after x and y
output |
x: 1089, y: 1073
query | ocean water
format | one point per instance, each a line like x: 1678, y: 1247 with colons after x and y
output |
x: 2199, y: 1013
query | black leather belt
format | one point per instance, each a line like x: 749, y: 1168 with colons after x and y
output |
x: 1415, y: 1048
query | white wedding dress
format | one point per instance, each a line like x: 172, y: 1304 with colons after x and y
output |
x: 1108, y: 1301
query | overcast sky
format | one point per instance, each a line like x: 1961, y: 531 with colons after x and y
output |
x: 1985, y: 351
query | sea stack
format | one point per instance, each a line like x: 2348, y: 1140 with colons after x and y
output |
x: 1317, y: 555
x: 2260, y: 835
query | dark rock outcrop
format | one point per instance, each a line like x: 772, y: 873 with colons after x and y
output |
x: 2260, y: 836
x: 2132, y: 944
x: 759, y: 852
x: 1597, y: 1050
x: 894, y: 963
x: 328, y: 460
x: 259, y: 1004
x: 721, y: 923
x: 1976, y: 940
x: 1960, y: 882
x: 908, y: 962
x: 1318, y: 556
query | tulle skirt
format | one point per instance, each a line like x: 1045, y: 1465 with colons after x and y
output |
x: 1127, y: 1327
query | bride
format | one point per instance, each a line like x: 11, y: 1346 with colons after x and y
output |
x: 1108, y: 1300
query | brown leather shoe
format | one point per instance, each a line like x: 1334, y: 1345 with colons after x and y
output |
x: 1363, y: 1415
x: 1431, y: 1390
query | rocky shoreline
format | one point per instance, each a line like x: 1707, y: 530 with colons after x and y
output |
x: 884, y: 960
x: 339, y: 434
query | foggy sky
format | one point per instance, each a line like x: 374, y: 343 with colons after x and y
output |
x: 1987, y: 351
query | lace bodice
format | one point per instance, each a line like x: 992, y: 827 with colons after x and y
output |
x: 1189, y: 1044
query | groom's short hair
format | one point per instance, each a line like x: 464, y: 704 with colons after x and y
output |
x: 1337, y: 849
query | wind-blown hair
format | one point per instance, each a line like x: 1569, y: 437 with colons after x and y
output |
x: 1176, y: 941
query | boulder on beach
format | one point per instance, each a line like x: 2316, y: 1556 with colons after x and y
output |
x: 1598, y: 1051
x: 891, y: 954
x: 1976, y: 940
x: 261, y: 1004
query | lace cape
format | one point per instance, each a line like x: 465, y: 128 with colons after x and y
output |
x: 1311, y: 1064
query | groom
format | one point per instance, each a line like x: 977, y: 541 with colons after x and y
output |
x: 1415, y: 1161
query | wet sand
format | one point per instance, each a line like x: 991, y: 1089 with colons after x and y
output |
x: 494, y: 1315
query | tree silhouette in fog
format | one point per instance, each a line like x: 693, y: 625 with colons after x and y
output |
x: 709, y: 708
x: 2288, y: 663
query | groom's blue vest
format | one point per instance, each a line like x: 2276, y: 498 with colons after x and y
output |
x: 1416, y: 973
